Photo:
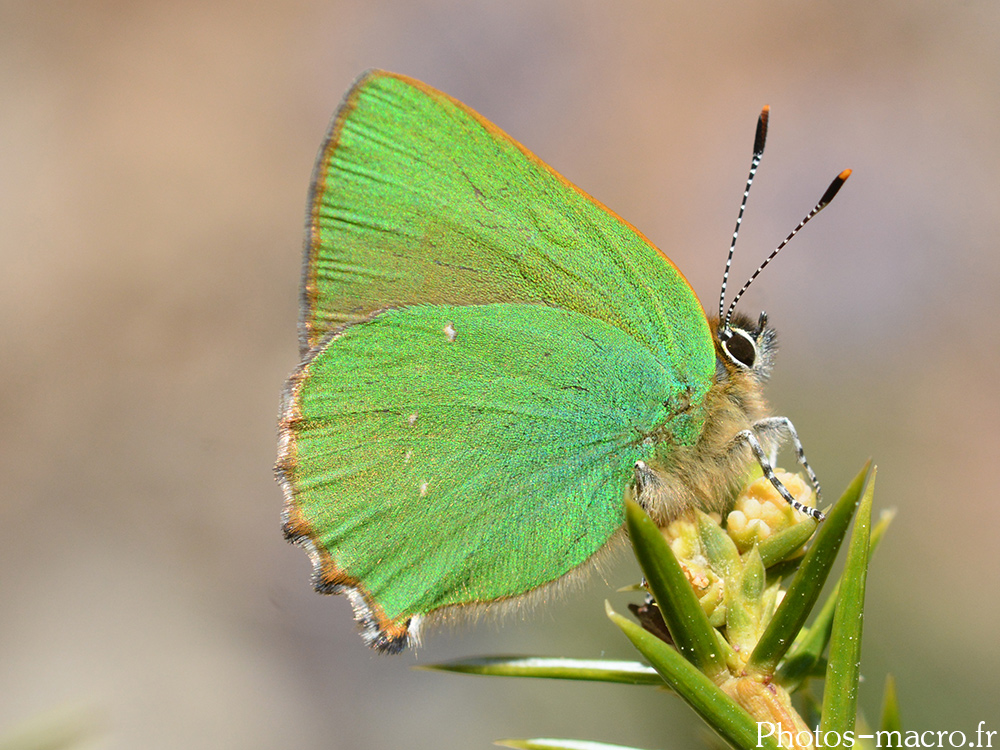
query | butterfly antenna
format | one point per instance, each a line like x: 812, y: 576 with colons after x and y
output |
x: 758, y: 152
x: 831, y: 191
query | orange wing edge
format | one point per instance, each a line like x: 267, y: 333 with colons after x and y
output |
x: 377, y: 629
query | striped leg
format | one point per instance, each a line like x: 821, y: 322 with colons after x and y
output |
x: 780, y: 427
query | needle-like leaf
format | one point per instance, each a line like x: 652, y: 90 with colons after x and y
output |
x: 685, y: 619
x: 807, y: 584
x: 594, y: 670
x: 840, y: 693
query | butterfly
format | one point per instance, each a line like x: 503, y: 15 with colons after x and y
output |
x: 491, y: 361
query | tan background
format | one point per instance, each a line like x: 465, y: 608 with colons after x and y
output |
x: 154, y: 161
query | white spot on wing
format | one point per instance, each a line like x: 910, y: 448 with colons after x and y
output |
x: 412, y: 419
x: 423, y: 490
x: 449, y: 331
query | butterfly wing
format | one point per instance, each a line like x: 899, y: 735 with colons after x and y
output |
x: 487, y: 352
x: 445, y: 455
x: 418, y: 199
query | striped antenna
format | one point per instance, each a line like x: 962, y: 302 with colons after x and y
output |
x: 831, y: 191
x: 758, y: 151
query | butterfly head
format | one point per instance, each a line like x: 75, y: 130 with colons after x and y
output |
x: 745, y: 348
x: 744, y: 356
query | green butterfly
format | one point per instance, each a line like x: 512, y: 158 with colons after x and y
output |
x: 491, y: 359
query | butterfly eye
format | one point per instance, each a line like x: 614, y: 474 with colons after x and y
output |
x: 740, y: 348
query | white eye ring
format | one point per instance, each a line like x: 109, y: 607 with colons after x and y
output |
x: 740, y: 348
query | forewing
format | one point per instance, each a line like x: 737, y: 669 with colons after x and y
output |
x: 444, y: 455
x: 418, y: 199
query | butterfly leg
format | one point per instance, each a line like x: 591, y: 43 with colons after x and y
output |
x: 782, y: 426
x: 643, y: 478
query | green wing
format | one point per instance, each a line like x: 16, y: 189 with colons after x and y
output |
x: 487, y: 352
x: 418, y: 199
x: 444, y: 455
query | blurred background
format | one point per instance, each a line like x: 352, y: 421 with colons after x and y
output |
x: 154, y: 164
